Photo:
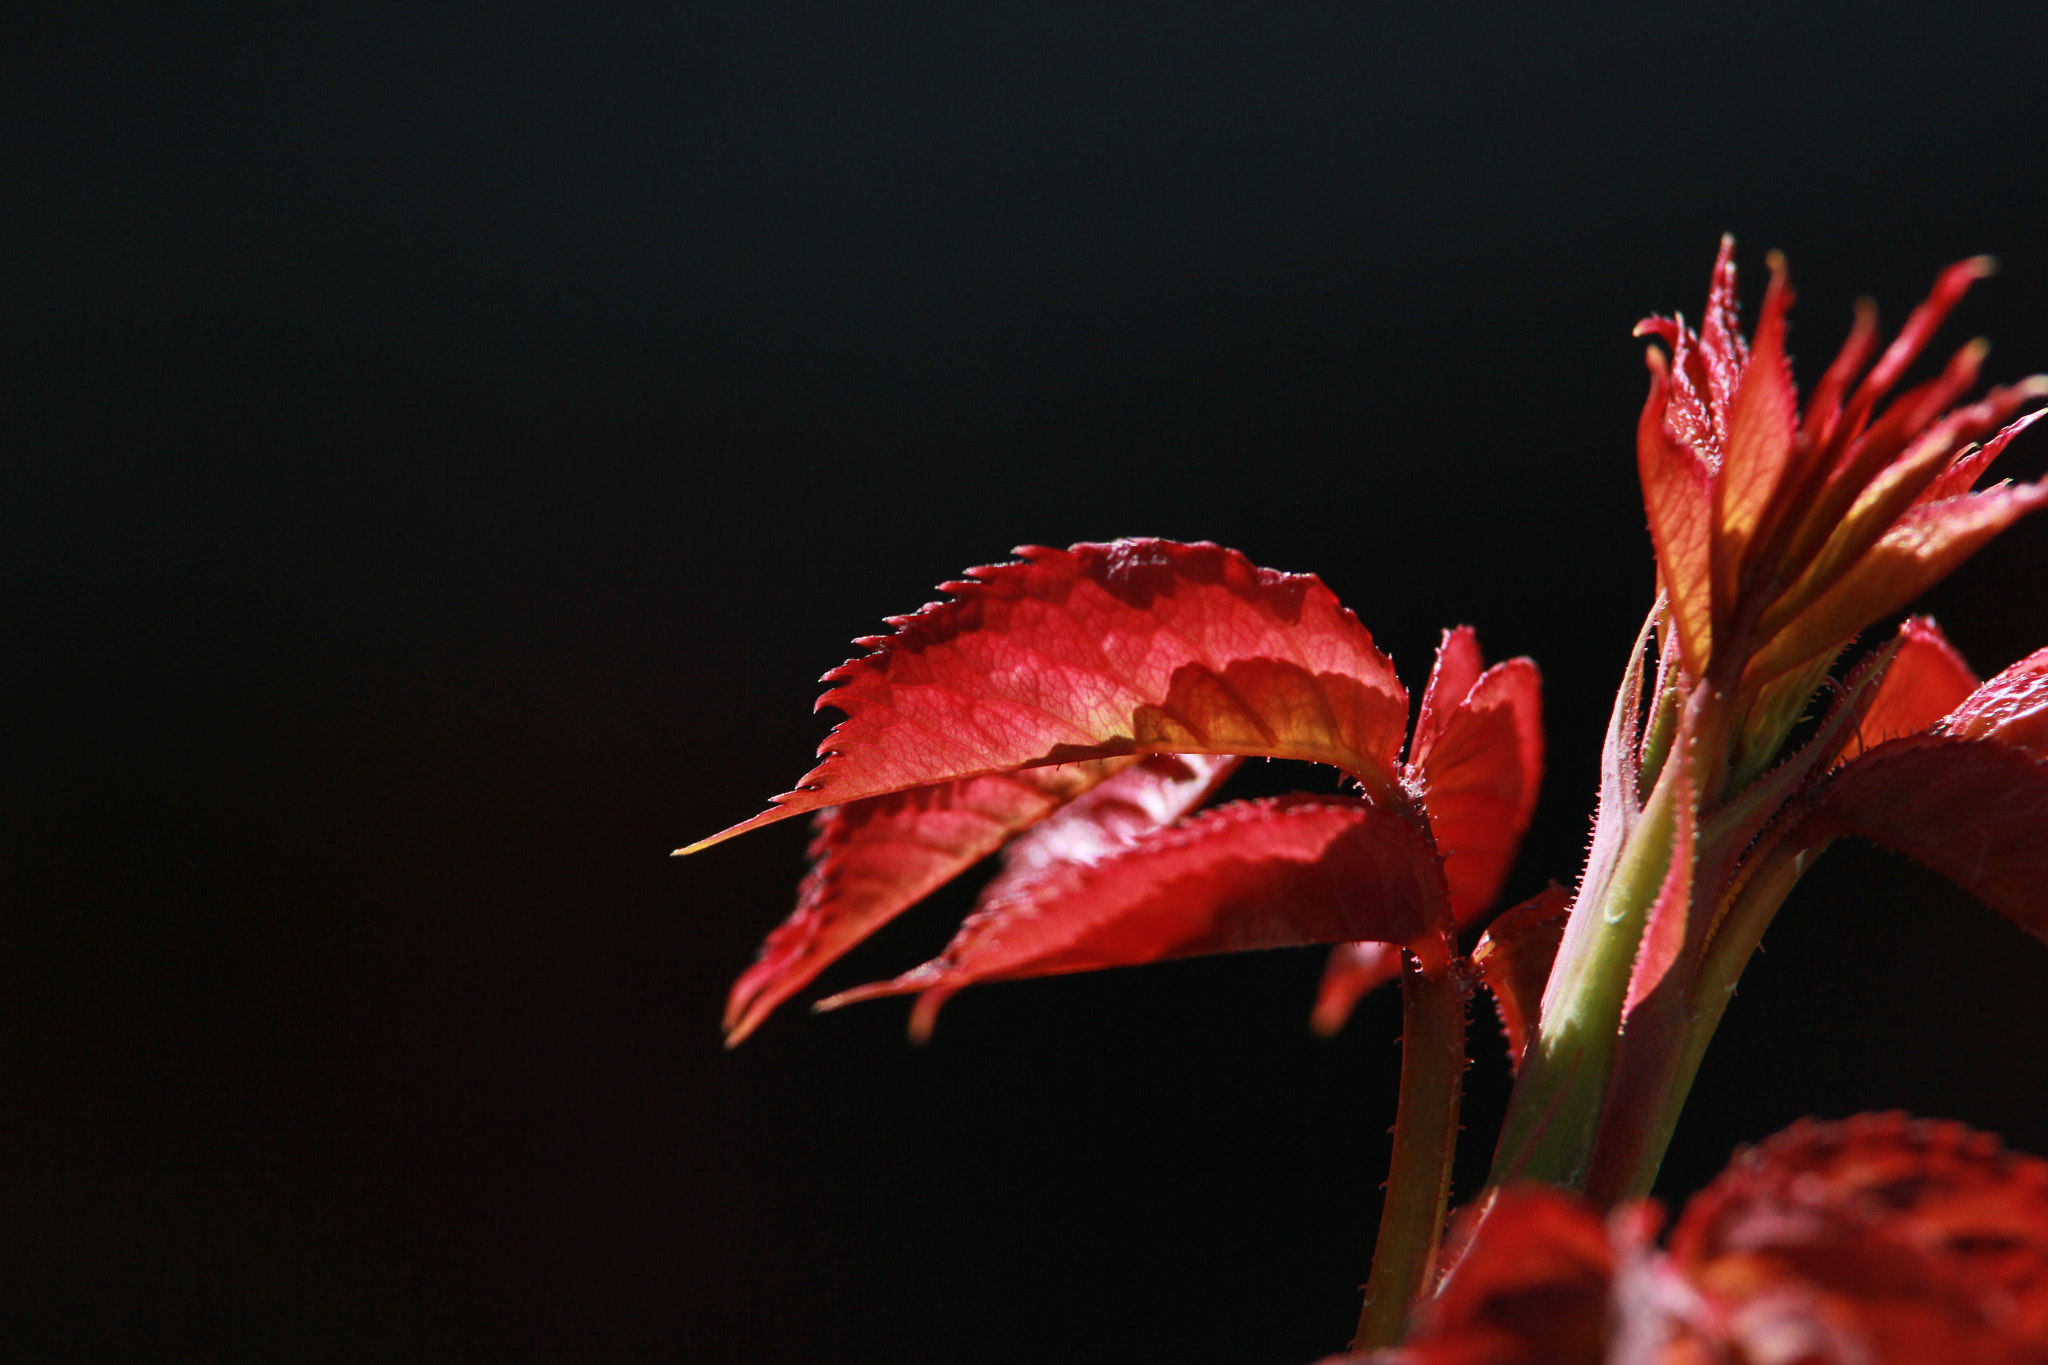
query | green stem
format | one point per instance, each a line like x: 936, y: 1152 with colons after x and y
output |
x: 1425, y: 1137
x: 1554, y: 1117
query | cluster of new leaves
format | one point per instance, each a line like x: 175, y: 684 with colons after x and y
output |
x: 1877, y: 1241
x: 1073, y: 712
x: 1799, y: 529
x: 1074, y: 708
x: 1781, y: 534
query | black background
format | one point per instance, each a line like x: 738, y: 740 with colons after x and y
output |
x: 443, y: 447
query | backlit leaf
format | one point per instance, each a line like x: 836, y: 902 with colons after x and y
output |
x: 1150, y: 796
x: 1479, y: 782
x: 1514, y: 957
x: 873, y: 859
x: 1877, y: 1239
x: 1136, y: 646
x: 1477, y: 761
x: 1969, y: 797
x: 1927, y: 679
x: 1252, y: 874
x: 1928, y: 542
x: 1678, y: 494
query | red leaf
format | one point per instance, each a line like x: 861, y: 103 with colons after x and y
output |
x: 1514, y: 958
x: 1927, y: 679
x: 1477, y: 761
x: 2012, y: 708
x: 1530, y: 1280
x: 1158, y: 791
x: 1458, y: 666
x: 1354, y: 971
x: 1670, y: 924
x: 873, y: 859
x: 1969, y: 798
x: 1969, y: 466
x: 1879, y: 1239
x: 1678, y: 495
x: 1479, y: 782
x: 1252, y: 874
x: 1921, y: 548
x: 1137, y: 646
x: 1762, y: 421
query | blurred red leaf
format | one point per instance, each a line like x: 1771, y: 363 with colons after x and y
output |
x: 1879, y: 1239
x: 1136, y: 646
x: 1253, y: 874
x: 1530, y: 1283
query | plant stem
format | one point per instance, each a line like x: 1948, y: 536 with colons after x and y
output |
x: 1554, y: 1117
x: 1425, y: 1137
x: 1751, y: 908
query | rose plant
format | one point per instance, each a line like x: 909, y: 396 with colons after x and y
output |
x: 1072, y: 712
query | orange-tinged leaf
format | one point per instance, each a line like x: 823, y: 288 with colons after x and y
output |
x: 1678, y: 495
x: 873, y: 859
x: 1514, y: 957
x: 1927, y: 679
x: 1877, y: 1239
x: 1136, y: 646
x: 1762, y: 422
x: 1970, y: 464
x: 1923, y: 547
x: 1251, y: 874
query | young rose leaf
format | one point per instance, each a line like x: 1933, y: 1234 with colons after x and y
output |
x: 1136, y: 646
x: 1458, y: 665
x: 1477, y: 762
x: 1969, y: 798
x: 1352, y: 972
x: 1763, y: 419
x: 1531, y: 1280
x: 1677, y: 485
x: 873, y: 859
x: 1878, y: 1239
x: 1927, y: 679
x: 1919, y: 550
x: 1479, y: 781
x: 1514, y: 958
x: 1253, y: 874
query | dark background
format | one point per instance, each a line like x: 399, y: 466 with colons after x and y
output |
x: 442, y: 448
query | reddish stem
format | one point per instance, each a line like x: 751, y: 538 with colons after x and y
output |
x: 1425, y: 1138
